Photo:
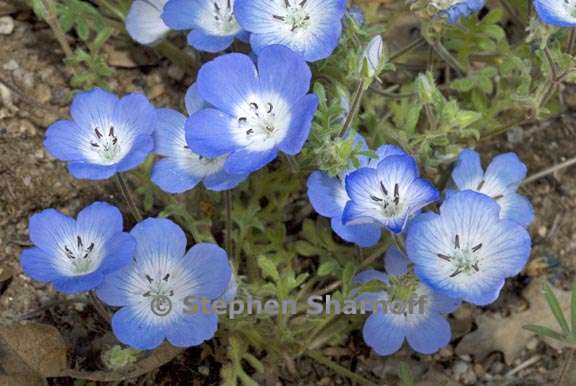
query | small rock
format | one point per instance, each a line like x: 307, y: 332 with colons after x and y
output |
x: 6, y: 25
x: 11, y: 65
x: 469, y: 378
x: 532, y: 344
x: 176, y: 73
x: 465, y: 358
x: 497, y: 368
x: 460, y: 367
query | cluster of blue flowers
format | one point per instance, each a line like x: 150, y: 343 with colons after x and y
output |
x: 463, y: 253
x: 242, y: 112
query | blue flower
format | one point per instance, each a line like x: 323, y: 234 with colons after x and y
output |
x: 423, y: 326
x: 75, y: 255
x: 153, y: 291
x: 181, y: 169
x: 212, y: 22
x: 258, y: 110
x: 500, y: 181
x: 356, y: 13
x: 328, y: 196
x: 144, y: 23
x: 388, y: 194
x: 467, y: 251
x: 106, y: 134
x: 561, y: 13
x: 310, y: 28
x: 461, y: 9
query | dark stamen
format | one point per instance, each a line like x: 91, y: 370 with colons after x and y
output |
x: 79, y: 241
x: 91, y: 247
x: 254, y: 106
x: 98, y: 133
x: 477, y: 248
x: 475, y: 266
x: 150, y: 280
x: 165, y: 278
x: 383, y: 188
x: 216, y: 7
x: 171, y: 293
x: 374, y: 198
x: 249, y: 131
x: 444, y: 257
x: 396, y: 194
x: 114, y: 141
x: 69, y: 253
x: 480, y: 185
x: 242, y: 120
x: 287, y: 3
x: 94, y: 144
x: 457, y: 242
x: 302, y: 3
x: 456, y: 273
x: 146, y: 294
x: 270, y: 108
x: 498, y: 197
x: 281, y: 18
x: 228, y: 4
x: 111, y: 132
x: 186, y: 147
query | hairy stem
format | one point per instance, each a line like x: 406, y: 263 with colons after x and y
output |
x: 228, y: 208
x: 52, y: 20
x: 127, y: 194
x: 341, y: 370
x: 356, y: 100
x: 416, y: 43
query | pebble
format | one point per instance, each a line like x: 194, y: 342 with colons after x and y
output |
x: 6, y: 25
x: 532, y: 344
x: 460, y: 367
x: 11, y: 65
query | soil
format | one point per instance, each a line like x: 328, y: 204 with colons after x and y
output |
x: 34, y: 92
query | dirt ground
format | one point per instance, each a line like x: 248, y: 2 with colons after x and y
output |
x: 33, y: 93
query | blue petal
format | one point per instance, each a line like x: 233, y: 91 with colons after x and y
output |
x: 400, y: 169
x: 516, y: 208
x: 227, y: 81
x: 38, y: 265
x: 136, y: 115
x: 121, y: 249
x: 468, y: 173
x: 231, y: 290
x: 86, y: 171
x: 209, y: 269
x: 355, y: 214
x: 113, y: 290
x: 93, y: 109
x: 169, y: 132
x: 282, y: 71
x: 385, y: 151
x: 192, y: 330
x: 359, y: 183
x: 370, y: 275
x: 64, y: 140
x: 420, y: 194
x: 302, y: 115
x: 193, y: 100
x: 551, y: 12
x: 382, y: 333
x: 159, y: 237
x: 135, y: 332
x: 209, y: 43
x: 182, y: 14
x: 507, y: 169
x: 430, y: 335
x: 78, y: 284
x: 326, y: 194
x: 363, y: 235
x: 100, y: 219
x: 245, y: 161
x: 49, y: 228
x: 168, y: 174
x: 222, y: 180
x: 208, y: 133
x: 141, y: 149
x: 444, y: 304
x: 395, y: 262
x: 144, y: 23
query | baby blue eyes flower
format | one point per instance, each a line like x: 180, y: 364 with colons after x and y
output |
x: 459, y: 9
x: 212, y: 22
x: 388, y: 194
x: 181, y: 169
x: 328, y: 197
x: 76, y: 254
x: 106, y: 134
x: 257, y: 110
x: 500, y: 181
x: 423, y: 324
x: 561, y: 13
x: 152, y: 291
x: 144, y: 23
x: 310, y: 28
x: 467, y: 251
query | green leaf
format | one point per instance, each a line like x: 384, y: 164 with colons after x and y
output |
x: 545, y: 331
x: 347, y: 275
x: 556, y: 309
x: 268, y: 268
x: 328, y: 267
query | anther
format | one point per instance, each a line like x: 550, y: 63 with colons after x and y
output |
x: 377, y: 199
x: 302, y: 3
x: 254, y: 106
x: 216, y: 7
x: 94, y: 144
x: 111, y: 132
x: 444, y: 257
x: 287, y: 3
x: 150, y: 280
x: 270, y: 108
x: 383, y: 188
x: 281, y: 18
x: 396, y: 194
x: 91, y: 247
x: 456, y: 273
x: 98, y: 133
x: 477, y: 248
x: 146, y: 294
x: 249, y: 131
x: 498, y: 197
x: 79, y: 241
x: 457, y: 242
x: 242, y: 120
x: 476, y: 268
x: 480, y: 185
x: 165, y: 278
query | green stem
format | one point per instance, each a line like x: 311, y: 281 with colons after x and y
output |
x: 228, y: 207
x: 127, y: 194
x: 52, y: 20
x: 100, y: 307
x: 445, y: 55
x: 416, y: 43
x: 571, y: 41
x: 318, y: 357
x: 356, y: 100
x: 111, y: 8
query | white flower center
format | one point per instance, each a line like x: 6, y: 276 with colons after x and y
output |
x: 222, y: 19
x: 463, y: 259
x: 262, y: 122
x: 198, y: 165
x: 296, y: 15
x: 79, y: 256
x: 107, y: 147
x: 388, y: 201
